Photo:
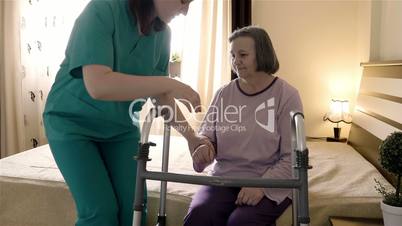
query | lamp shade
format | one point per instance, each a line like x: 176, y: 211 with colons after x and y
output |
x: 339, y: 112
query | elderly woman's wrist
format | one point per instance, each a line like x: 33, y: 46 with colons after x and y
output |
x: 190, y: 134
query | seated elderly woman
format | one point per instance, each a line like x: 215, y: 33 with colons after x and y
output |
x: 248, y: 125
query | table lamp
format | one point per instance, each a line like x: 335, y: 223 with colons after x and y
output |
x: 339, y: 112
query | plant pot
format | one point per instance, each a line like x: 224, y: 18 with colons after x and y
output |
x: 174, y: 69
x: 392, y: 215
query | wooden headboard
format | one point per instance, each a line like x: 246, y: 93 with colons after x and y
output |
x: 378, y: 110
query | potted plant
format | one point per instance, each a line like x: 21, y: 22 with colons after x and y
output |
x: 175, y: 65
x: 391, y: 160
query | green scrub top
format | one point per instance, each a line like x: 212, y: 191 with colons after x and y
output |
x: 105, y: 33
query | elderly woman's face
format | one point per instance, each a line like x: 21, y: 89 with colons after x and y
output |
x: 243, y: 57
x: 166, y: 10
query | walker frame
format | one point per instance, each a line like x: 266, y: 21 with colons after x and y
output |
x: 298, y: 183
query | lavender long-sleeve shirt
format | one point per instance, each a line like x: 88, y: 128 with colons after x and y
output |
x: 252, y: 133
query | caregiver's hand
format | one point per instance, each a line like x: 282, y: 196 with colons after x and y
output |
x: 185, y: 94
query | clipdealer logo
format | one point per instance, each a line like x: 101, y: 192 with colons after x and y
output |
x: 135, y: 115
x: 166, y: 110
x: 230, y: 114
x: 269, y: 105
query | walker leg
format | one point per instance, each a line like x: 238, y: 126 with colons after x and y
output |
x: 165, y: 166
x: 138, y: 201
x: 137, y: 218
x: 139, y: 198
x: 161, y: 221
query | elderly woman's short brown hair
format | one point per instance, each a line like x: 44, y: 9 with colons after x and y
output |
x: 265, y: 53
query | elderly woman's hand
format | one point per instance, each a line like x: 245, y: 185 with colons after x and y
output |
x: 202, y: 152
x: 249, y: 196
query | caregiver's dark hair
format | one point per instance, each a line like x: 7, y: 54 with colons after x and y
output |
x: 264, y: 50
x: 144, y: 11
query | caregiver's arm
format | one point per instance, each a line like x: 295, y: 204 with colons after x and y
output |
x: 102, y: 83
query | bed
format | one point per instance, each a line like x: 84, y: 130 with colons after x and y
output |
x: 341, y: 183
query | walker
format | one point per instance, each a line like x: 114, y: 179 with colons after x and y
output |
x: 299, y: 182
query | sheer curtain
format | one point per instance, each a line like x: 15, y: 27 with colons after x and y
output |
x: 201, y: 41
x: 33, y: 38
x: 45, y: 29
x: 206, y: 64
x: 11, y: 123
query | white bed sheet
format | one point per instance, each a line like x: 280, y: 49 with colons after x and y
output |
x: 39, y: 164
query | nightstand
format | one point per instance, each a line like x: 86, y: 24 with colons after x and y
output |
x: 351, y: 221
x: 327, y: 139
x: 331, y: 139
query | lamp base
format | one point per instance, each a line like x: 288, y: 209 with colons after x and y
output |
x: 337, y: 132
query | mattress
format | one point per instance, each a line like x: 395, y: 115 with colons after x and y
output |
x: 33, y: 191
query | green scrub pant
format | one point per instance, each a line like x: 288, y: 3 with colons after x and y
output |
x: 101, y: 177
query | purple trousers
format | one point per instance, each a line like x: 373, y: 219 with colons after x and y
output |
x: 215, y: 206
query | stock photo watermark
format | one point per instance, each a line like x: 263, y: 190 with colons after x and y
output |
x: 220, y: 118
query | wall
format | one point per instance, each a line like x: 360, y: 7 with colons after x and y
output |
x: 318, y: 46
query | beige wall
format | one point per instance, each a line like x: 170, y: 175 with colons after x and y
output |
x: 318, y: 46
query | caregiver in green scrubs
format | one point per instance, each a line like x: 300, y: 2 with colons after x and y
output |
x: 118, y: 52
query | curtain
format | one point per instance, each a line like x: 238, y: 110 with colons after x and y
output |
x: 33, y: 38
x: 206, y: 64
x: 44, y: 32
x: 241, y: 13
x: 11, y: 123
x: 241, y: 17
x: 201, y: 38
